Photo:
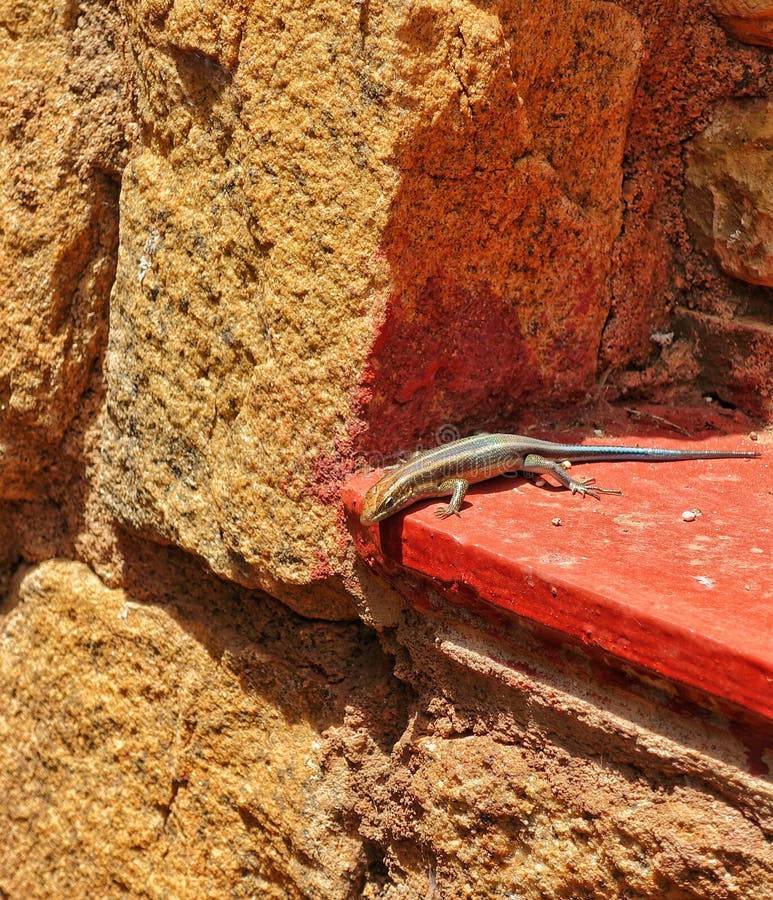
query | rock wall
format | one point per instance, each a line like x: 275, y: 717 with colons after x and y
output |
x: 153, y: 749
x: 178, y: 738
x: 341, y: 228
x: 246, y: 248
x: 64, y: 115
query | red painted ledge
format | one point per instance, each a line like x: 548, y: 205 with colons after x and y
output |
x: 690, y: 601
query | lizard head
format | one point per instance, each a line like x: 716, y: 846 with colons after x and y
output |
x: 386, y: 497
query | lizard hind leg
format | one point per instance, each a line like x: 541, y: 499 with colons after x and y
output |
x: 538, y: 465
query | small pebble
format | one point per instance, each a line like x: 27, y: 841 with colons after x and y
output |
x: 556, y: 521
x: 690, y: 515
x: 664, y: 338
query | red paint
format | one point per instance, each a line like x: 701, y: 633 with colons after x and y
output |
x: 447, y: 347
x: 322, y: 569
x: 692, y: 602
x: 425, y: 379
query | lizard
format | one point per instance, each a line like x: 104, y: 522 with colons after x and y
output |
x: 451, y: 468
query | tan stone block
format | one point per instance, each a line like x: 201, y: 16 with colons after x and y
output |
x: 750, y: 21
x: 384, y: 216
x: 178, y: 750
x: 62, y: 120
x: 729, y: 195
x: 488, y: 815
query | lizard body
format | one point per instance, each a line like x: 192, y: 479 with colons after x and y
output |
x: 451, y: 468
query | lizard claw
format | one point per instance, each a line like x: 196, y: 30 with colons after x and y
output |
x: 587, y: 488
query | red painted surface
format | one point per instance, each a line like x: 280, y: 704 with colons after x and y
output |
x: 691, y: 601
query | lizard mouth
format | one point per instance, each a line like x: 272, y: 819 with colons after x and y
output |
x: 371, y: 517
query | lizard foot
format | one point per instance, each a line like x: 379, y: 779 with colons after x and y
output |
x: 587, y: 488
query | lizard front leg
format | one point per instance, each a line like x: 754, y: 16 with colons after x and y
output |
x: 536, y: 464
x: 457, y: 487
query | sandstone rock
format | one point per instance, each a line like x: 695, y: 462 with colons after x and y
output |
x: 148, y: 748
x: 690, y: 67
x: 747, y: 20
x: 489, y: 815
x: 62, y: 120
x: 517, y: 771
x: 383, y: 218
x: 733, y: 353
x: 343, y: 226
x: 729, y: 195
x: 338, y: 235
x: 188, y: 739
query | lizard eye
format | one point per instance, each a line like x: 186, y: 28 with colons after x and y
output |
x: 387, y: 502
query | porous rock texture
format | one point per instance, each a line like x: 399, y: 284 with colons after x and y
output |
x: 728, y: 204
x: 184, y: 738
x: 245, y: 248
x: 729, y: 195
x: 345, y: 226
x: 178, y: 750
x: 314, y: 179
x: 746, y: 20
x: 63, y: 114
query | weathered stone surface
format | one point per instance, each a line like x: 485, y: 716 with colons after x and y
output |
x: 184, y: 738
x: 190, y: 744
x: 734, y: 354
x: 240, y: 307
x: 517, y: 772
x: 382, y: 211
x: 747, y: 20
x: 344, y: 225
x: 729, y: 195
x: 341, y: 232
x: 690, y: 67
x: 488, y: 815
x: 62, y: 120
